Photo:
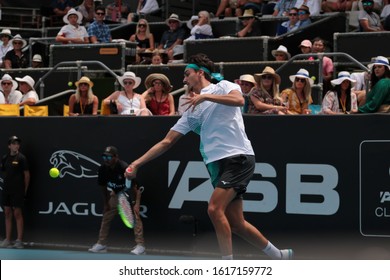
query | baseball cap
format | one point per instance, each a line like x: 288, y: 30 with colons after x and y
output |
x: 110, y: 151
x: 14, y: 139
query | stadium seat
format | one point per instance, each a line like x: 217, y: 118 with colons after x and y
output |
x: 9, y: 110
x: 36, y: 111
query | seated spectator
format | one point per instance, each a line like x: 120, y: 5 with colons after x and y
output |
x: 298, y: 97
x: 61, y: 7
x: 264, y: 98
x: 202, y: 30
x: 37, y: 61
x: 127, y: 101
x: 341, y: 99
x: 83, y: 102
x: 283, y: 7
x: 305, y: 47
x: 331, y: 6
x: 304, y: 16
x: 290, y: 25
x: 98, y: 31
x: 157, y: 58
x: 255, y: 5
x: 281, y: 53
x: 247, y: 83
x: 9, y: 90
x: 117, y: 11
x: 157, y: 95
x: 6, y: 45
x: 172, y: 37
x: 385, y: 16
x: 320, y: 46
x: 369, y: 21
x: 143, y: 37
x: 17, y: 58
x: 378, y: 98
x: 192, y: 22
x: 87, y: 9
x: 26, y: 87
x: 73, y: 32
x: 144, y: 8
x: 249, y: 26
x: 313, y: 6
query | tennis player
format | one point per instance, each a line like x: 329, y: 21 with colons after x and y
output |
x: 214, y: 113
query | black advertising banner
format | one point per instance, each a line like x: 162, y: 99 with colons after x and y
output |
x: 375, y: 188
x: 312, y: 173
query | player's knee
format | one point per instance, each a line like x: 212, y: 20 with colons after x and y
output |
x: 213, y: 212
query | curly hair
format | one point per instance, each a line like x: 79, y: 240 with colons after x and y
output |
x: 202, y: 60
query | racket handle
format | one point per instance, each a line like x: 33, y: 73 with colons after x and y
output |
x: 128, y: 181
x: 128, y: 184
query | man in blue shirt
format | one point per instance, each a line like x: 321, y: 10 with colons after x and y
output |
x: 98, y: 31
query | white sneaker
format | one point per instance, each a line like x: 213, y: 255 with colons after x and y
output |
x: 98, y: 248
x: 287, y: 254
x: 138, y: 250
x: 6, y: 244
x: 18, y: 244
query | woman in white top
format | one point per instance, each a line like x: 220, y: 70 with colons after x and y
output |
x: 5, y: 37
x: 340, y: 100
x: 9, y: 93
x: 127, y: 101
x: 26, y: 86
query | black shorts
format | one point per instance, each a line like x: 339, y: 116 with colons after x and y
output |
x: 13, y: 200
x: 232, y: 172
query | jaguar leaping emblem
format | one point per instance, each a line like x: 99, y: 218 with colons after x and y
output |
x: 74, y: 164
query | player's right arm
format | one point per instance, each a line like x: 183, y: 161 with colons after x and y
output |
x: 158, y: 149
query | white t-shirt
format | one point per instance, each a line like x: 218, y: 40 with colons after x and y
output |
x: 31, y: 94
x: 71, y: 31
x: 221, y: 127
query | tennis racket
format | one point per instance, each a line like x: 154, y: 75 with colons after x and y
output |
x: 125, y: 205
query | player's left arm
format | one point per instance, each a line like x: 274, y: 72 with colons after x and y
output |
x: 233, y: 98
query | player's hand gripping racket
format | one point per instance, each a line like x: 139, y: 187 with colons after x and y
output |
x: 125, y: 204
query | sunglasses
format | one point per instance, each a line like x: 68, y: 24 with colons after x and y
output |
x: 267, y: 77
x: 6, y: 84
x: 17, y: 43
x: 302, y: 80
x: 128, y: 82
x: 292, y: 14
x: 172, y: 21
x: 106, y: 157
x: 302, y: 13
x: 83, y: 84
x: 367, y: 4
x: 100, y: 14
x: 142, y: 25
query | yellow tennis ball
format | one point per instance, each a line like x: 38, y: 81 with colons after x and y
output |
x: 54, y: 172
x: 70, y: 84
x: 313, y: 78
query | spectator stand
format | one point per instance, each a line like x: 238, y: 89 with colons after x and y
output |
x: 363, y: 46
x: 21, y: 17
x: 113, y: 55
